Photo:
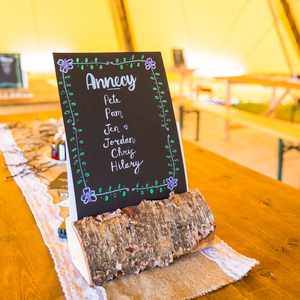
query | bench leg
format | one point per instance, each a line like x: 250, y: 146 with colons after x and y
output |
x: 182, y: 112
x: 198, y: 126
x: 280, y: 159
x: 181, y: 116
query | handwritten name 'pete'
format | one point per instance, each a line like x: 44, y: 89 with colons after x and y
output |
x: 110, y: 83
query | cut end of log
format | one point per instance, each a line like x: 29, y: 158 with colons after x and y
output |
x: 151, y: 234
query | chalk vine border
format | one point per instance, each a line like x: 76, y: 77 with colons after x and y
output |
x: 72, y: 117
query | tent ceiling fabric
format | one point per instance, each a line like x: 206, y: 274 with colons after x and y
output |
x: 239, y: 32
x: 295, y: 7
x: 219, y: 37
x: 37, y: 28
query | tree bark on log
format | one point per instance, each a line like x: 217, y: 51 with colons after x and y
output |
x: 151, y: 234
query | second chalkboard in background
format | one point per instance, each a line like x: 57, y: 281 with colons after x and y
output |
x: 11, y: 75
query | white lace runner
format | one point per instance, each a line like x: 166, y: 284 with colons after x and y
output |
x: 231, y: 262
x: 47, y: 217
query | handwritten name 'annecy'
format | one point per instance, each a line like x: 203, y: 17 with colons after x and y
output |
x: 110, y: 82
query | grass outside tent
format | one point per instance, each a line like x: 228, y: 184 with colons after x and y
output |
x: 284, y: 112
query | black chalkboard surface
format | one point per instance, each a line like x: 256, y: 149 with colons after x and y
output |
x: 121, y: 133
x: 10, y: 71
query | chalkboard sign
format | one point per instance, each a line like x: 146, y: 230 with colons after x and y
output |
x: 10, y: 71
x: 122, y: 137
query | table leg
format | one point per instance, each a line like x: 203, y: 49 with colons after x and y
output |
x: 280, y: 159
x: 275, y: 102
x: 182, y: 112
x: 272, y: 104
x: 198, y: 126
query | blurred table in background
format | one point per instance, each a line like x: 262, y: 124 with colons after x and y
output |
x: 181, y: 80
x: 44, y: 97
x: 274, y: 82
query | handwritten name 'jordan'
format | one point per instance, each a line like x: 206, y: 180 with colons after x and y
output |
x: 110, y: 83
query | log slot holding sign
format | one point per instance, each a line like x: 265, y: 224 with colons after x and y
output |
x: 133, y: 239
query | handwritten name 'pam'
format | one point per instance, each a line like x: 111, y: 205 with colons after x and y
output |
x: 110, y: 82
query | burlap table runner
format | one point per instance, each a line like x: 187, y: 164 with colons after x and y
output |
x: 26, y: 148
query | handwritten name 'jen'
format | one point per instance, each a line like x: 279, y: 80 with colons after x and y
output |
x: 110, y: 83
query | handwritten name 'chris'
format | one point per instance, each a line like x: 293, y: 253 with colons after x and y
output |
x: 110, y: 82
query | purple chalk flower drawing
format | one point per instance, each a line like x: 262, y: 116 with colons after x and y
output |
x: 88, y: 195
x: 65, y: 64
x: 171, y: 183
x: 150, y: 64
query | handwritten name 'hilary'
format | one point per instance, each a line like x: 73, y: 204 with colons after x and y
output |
x: 110, y: 83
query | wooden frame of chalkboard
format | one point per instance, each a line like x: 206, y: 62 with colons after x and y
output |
x: 14, y: 78
x: 84, y: 98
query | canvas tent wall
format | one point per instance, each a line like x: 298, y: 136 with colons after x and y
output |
x: 36, y: 28
x: 219, y: 37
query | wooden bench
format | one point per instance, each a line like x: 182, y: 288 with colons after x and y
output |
x: 288, y: 134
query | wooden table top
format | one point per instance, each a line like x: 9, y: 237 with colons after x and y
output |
x: 256, y: 215
x: 42, y: 87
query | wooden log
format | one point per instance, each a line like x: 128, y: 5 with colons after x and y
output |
x: 151, y: 234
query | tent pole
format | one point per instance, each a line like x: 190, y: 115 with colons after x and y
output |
x: 292, y: 24
x: 122, y: 25
x: 280, y: 37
